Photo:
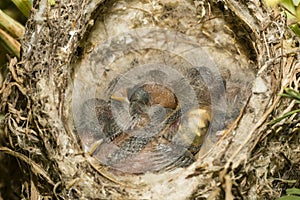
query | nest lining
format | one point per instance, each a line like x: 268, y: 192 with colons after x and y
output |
x: 69, y: 172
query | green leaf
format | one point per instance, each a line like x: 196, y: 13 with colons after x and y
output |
x: 293, y: 191
x: 284, y: 116
x: 24, y: 6
x: 292, y: 93
x: 295, y: 28
x: 289, y: 198
x: 289, y: 5
x: 52, y: 2
x: 11, y: 26
x: 272, y: 3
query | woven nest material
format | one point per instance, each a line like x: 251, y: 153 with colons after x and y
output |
x: 74, y: 51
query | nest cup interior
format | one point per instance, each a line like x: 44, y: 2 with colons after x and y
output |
x: 149, y: 115
x: 146, y: 100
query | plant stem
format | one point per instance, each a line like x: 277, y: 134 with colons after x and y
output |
x: 11, y: 26
x: 10, y: 44
x: 24, y: 6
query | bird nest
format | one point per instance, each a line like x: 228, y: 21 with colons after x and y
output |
x: 153, y: 100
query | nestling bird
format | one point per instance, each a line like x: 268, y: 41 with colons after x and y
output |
x: 161, y: 136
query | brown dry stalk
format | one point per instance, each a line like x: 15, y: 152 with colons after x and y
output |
x: 9, y: 43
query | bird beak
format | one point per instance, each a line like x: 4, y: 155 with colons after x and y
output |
x: 119, y: 98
